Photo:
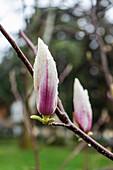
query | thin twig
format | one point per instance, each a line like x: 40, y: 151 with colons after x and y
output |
x: 63, y: 116
x: 29, y: 43
x: 58, y: 124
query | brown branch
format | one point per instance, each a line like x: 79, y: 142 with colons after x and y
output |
x: 29, y: 43
x: 81, y: 145
x: 63, y: 115
x: 17, y: 49
x: 65, y: 119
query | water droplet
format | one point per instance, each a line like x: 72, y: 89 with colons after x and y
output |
x: 89, y: 145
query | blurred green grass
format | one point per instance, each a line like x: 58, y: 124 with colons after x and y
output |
x: 51, y: 157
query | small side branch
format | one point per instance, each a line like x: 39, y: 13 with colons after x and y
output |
x: 58, y: 124
x: 29, y: 43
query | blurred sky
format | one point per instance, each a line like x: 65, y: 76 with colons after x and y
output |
x: 12, y: 15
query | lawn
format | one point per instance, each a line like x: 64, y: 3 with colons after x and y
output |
x: 51, y: 157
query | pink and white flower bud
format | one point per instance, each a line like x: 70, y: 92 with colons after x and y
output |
x: 45, y: 80
x: 82, y: 107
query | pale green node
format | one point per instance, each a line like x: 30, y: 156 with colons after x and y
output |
x: 44, y: 120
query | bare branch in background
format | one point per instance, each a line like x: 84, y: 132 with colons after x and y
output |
x: 25, y: 119
x: 65, y: 73
x: 14, y: 86
x: 18, y: 97
x: 29, y: 93
x: 102, y: 13
x: 61, y: 27
x: 76, y: 151
x: 67, y: 29
x: 103, y: 55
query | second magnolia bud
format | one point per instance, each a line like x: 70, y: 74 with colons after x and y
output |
x: 82, y: 107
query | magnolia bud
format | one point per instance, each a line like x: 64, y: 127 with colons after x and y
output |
x: 82, y: 107
x: 45, y: 80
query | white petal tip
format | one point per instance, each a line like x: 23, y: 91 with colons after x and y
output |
x: 40, y: 40
x: 77, y: 82
x: 42, y: 46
